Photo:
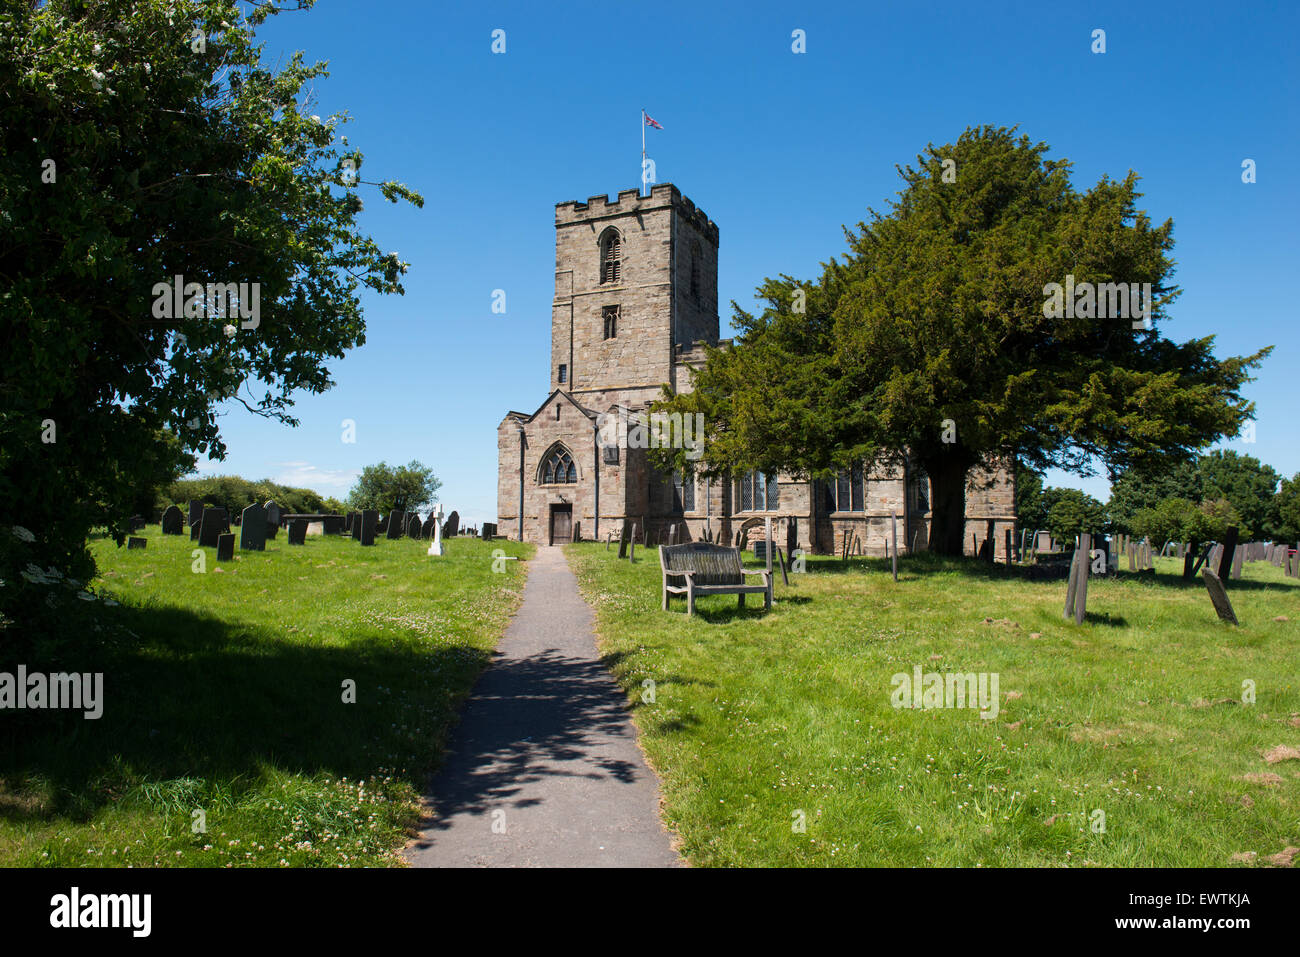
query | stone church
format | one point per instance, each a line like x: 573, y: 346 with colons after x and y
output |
x: 636, y: 299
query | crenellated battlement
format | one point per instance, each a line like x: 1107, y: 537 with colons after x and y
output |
x: 662, y: 196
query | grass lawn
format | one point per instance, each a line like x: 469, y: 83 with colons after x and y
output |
x: 223, y: 692
x: 762, y: 721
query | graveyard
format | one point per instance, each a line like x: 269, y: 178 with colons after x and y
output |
x: 764, y: 721
x: 227, y: 690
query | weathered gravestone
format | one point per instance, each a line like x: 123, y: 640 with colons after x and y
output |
x: 369, y: 523
x: 453, y: 525
x: 212, y: 525
x: 193, y: 512
x: 1076, y: 594
x: 173, y: 521
x: 274, y: 513
x: 226, y: 547
x: 298, y: 531
x: 623, y: 539
x: 1225, y: 559
x: 356, y: 526
x: 1219, y: 596
x: 332, y: 524
x: 489, y: 531
x: 577, y: 531
x: 271, y: 531
x: 413, y: 526
x: 396, y: 524
x: 252, y: 528
x: 381, y: 525
x: 136, y: 543
x: 1237, y: 557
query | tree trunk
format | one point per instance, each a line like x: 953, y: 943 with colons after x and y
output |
x: 948, y: 504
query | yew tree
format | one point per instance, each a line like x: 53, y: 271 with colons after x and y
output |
x: 142, y: 140
x: 934, y: 334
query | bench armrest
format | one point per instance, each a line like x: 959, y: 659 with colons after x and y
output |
x: 757, y: 571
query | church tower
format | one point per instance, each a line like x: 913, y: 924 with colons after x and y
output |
x: 636, y: 280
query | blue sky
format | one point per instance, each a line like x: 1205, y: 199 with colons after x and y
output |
x: 780, y: 150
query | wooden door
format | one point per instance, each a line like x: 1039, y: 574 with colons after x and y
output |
x: 561, y: 523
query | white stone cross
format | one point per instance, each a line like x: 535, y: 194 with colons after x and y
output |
x: 435, y: 547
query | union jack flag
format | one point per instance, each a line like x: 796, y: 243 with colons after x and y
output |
x: 650, y: 121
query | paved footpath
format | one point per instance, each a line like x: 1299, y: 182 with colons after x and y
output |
x: 544, y: 768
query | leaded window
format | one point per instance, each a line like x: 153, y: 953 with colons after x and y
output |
x: 758, y: 492
x: 558, y: 468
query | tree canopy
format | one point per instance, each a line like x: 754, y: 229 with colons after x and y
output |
x: 938, y: 333
x: 385, y: 487
x: 147, y: 155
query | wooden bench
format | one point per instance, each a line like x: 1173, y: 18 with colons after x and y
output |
x: 699, y: 568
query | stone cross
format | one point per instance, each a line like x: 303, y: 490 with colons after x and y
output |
x: 435, y: 547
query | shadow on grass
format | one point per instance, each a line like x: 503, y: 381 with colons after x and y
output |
x: 199, y: 697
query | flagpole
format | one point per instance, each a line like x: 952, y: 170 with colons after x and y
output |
x: 641, y: 178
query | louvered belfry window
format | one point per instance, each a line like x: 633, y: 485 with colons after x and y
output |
x: 559, y: 468
x: 611, y: 257
x: 610, y: 315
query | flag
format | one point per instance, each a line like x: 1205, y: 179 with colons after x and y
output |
x: 650, y: 121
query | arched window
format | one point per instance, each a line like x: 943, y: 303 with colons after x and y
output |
x: 611, y: 256
x: 558, y: 467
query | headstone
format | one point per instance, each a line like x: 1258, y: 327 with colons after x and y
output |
x: 213, y: 524
x: 252, y: 528
x: 193, y: 511
x: 396, y: 524
x: 1076, y: 595
x: 631, y: 555
x: 173, y: 521
x: 893, y: 544
x: 577, y: 531
x: 194, y: 531
x: 489, y: 531
x: 1043, y: 542
x: 369, y: 521
x: 356, y: 526
x: 381, y: 525
x: 623, y: 538
x: 271, y: 531
x: 1237, y: 558
x: 413, y: 527
x: 452, y: 526
x: 1219, y: 596
x: 136, y: 543
x: 226, y: 547
x: 274, y: 513
x: 332, y: 524
x: 298, y: 531
x: 791, y: 536
x: 1225, y: 559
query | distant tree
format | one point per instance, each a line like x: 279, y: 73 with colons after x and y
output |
x: 1144, y: 489
x: 1031, y: 511
x: 1164, y: 522
x: 1182, y: 520
x: 383, y: 486
x: 234, y: 493
x: 939, y: 334
x: 1071, y: 511
x: 1287, y: 506
x: 1248, y: 484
